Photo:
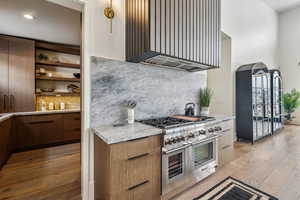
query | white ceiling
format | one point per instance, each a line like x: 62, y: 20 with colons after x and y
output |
x: 72, y: 4
x: 282, y: 5
x: 52, y: 22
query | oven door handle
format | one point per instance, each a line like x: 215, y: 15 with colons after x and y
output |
x: 164, y: 151
x: 206, y: 140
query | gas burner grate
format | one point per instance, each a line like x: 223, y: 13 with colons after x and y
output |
x: 165, y: 122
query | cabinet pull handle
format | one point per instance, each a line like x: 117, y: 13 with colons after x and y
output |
x: 4, y: 102
x: 138, y: 185
x: 226, y: 147
x: 77, y: 118
x: 11, y: 103
x: 42, y: 122
x: 139, y: 156
x: 137, y: 139
x: 77, y: 129
x: 226, y: 130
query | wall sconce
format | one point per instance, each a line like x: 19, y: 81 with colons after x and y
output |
x: 109, y: 13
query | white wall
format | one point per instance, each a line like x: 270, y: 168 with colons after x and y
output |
x: 290, y: 51
x: 98, y: 41
x: 253, y: 27
x: 52, y: 23
x: 223, y: 98
x: 104, y: 43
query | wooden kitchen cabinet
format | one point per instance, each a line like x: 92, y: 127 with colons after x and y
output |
x: 21, y: 75
x: 4, y: 57
x: 129, y: 170
x: 42, y: 130
x: 72, y: 126
x: 5, y: 141
x: 225, y: 144
x: 38, y: 130
x: 17, y: 79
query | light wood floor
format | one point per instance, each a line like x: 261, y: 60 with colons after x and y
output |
x: 271, y: 165
x: 44, y: 174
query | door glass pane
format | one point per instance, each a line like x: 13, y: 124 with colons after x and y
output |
x: 175, y: 165
x: 202, y: 154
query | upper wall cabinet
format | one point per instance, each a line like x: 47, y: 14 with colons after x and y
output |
x: 181, y: 34
x: 17, y: 74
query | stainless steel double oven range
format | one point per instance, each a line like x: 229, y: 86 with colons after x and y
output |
x: 189, y: 150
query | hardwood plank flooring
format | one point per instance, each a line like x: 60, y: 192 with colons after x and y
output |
x: 44, y: 174
x: 271, y: 165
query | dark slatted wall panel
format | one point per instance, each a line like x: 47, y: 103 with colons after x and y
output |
x: 137, y: 28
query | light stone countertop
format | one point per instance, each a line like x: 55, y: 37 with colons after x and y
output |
x: 111, y: 134
x: 6, y: 116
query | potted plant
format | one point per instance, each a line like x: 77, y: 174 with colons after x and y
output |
x: 291, y: 101
x: 205, y: 99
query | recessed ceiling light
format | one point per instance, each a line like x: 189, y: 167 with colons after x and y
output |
x: 28, y: 16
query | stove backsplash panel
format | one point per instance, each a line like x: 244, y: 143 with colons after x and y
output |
x: 158, y: 91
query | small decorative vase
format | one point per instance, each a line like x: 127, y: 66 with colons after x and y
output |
x: 130, y: 116
x: 204, y: 111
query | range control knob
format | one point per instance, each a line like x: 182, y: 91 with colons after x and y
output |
x: 218, y: 128
x: 177, y: 139
x: 168, y: 141
x: 202, y: 132
x: 211, y: 130
x: 172, y: 140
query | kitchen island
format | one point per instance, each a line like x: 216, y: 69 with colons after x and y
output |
x: 129, y: 160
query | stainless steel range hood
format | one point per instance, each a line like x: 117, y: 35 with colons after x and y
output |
x: 179, y: 34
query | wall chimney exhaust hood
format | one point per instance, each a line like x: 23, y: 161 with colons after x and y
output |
x: 179, y: 34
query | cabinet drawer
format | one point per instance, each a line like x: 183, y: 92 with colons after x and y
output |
x: 142, y: 191
x: 43, y: 119
x: 131, y: 149
x: 72, y: 121
x: 137, y: 178
x: 38, y: 130
x: 226, y: 155
x: 226, y: 139
x: 139, y: 169
x: 228, y: 125
x: 142, y: 146
x: 74, y: 134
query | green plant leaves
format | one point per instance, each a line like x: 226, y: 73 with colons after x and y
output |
x: 205, y: 97
x: 291, y: 101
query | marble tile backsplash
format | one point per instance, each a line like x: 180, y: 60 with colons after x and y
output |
x: 158, y: 91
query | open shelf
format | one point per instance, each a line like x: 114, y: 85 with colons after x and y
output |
x: 57, y: 94
x: 46, y: 78
x: 69, y: 49
x: 58, y: 64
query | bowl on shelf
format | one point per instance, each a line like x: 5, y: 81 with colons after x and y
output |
x: 76, y: 75
x: 47, y: 90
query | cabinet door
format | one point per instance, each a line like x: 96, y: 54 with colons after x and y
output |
x: 4, y: 75
x: 27, y: 134
x: 5, y: 141
x: 50, y: 127
x: 38, y: 130
x: 21, y: 75
x: 72, y: 124
x: 225, y: 146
